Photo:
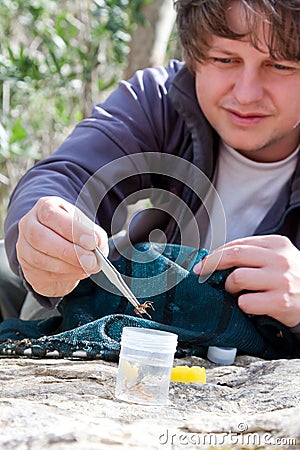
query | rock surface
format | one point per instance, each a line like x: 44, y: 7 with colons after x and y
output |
x: 69, y: 404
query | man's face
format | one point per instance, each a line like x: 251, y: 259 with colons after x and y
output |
x: 252, y: 101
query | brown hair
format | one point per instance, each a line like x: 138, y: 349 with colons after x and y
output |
x: 197, y: 20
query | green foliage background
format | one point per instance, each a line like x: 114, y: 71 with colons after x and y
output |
x: 56, y: 59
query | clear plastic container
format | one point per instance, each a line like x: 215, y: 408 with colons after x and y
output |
x: 145, y: 365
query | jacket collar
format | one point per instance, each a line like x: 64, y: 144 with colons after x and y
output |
x: 295, y: 188
x: 183, y: 96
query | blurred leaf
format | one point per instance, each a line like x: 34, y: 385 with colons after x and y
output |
x: 18, y: 132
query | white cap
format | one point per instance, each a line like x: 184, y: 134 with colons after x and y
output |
x: 221, y: 355
x: 149, y: 340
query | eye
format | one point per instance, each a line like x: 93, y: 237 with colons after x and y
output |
x: 282, y: 67
x: 222, y: 60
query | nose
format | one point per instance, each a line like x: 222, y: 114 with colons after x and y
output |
x: 248, y: 86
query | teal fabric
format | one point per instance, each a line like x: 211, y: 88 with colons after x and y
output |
x: 201, y: 314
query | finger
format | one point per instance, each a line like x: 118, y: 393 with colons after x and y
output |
x: 235, y: 256
x: 49, y: 284
x: 34, y: 259
x: 274, y: 304
x: 39, y: 242
x: 257, y: 303
x: 55, y: 289
x: 67, y: 221
x: 270, y: 241
x: 102, y: 239
x: 42, y: 276
x: 248, y: 279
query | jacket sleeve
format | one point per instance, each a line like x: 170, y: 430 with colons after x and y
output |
x: 103, y: 160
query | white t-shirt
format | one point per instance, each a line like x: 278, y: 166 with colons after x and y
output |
x: 247, y: 190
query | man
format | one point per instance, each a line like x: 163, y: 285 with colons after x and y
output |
x: 232, y: 112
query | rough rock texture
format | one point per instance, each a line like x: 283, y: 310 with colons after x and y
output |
x: 70, y: 404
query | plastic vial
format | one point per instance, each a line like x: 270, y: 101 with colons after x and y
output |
x: 145, y: 365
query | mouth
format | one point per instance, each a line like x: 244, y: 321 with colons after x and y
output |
x: 249, y: 118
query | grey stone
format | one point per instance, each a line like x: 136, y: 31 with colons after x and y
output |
x: 70, y: 404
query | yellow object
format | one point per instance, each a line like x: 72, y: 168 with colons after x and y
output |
x: 129, y: 371
x: 185, y: 374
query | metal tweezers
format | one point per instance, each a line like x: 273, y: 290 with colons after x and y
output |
x: 116, y: 279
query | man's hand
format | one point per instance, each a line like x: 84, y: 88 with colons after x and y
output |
x: 268, y: 267
x: 55, y: 246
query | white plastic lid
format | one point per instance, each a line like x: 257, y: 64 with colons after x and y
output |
x: 148, y: 339
x: 221, y: 355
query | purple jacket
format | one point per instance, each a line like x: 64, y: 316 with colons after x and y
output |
x: 132, y: 143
